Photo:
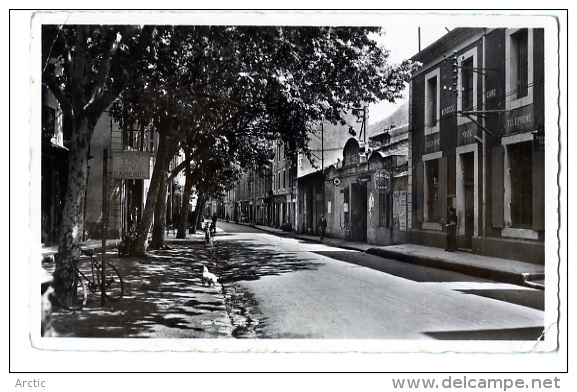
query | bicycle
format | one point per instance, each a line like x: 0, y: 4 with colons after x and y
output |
x: 92, y: 274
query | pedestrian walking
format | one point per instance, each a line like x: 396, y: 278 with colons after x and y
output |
x: 451, y: 230
x: 322, y: 226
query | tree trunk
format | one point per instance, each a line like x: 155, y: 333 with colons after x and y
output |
x: 199, y: 207
x: 183, y: 223
x: 72, y: 223
x: 159, y: 175
x: 157, y: 241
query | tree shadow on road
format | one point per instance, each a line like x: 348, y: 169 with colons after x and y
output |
x: 164, y: 295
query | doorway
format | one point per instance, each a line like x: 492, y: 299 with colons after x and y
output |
x: 468, y: 165
x: 358, y: 212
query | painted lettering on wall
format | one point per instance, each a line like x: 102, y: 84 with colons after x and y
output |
x: 521, y: 119
x: 491, y: 93
x: 448, y: 110
x: 432, y: 143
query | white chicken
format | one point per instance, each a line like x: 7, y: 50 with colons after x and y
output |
x: 208, y: 277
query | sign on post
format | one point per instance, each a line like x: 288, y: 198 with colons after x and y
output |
x: 130, y: 165
x: 382, y: 181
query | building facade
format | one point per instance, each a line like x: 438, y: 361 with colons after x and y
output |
x: 476, y: 140
x: 126, y: 197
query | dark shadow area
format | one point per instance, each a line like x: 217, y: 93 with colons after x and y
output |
x: 403, y: 270
x: 530, y: 333
x: 534, y: 299
x: 165, y: 288
x: 245, y: 260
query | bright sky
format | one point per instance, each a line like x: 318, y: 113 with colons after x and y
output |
x: 403, y: 42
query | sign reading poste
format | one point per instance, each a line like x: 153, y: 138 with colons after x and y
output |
x: 131, y: 165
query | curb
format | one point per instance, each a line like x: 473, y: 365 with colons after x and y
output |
x: 531, y: 280
x: 502, y: 276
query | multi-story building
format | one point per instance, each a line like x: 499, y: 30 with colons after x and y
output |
x: 326, y: 145
x: 364, y: 192
x: 127, y: 197
x: 476, y: 140
x: 249, y: 201
x: 283, y: 197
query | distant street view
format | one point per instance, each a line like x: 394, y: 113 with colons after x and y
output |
x: 229, y: 181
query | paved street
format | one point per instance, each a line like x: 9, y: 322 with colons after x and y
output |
x: 329, y: 293
x: 279, y: 287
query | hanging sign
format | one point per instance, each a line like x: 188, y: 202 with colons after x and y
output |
x: 539, y: 140
x: 131, y: 165
x: 382, y: 181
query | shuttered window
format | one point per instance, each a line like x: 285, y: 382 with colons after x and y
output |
x: 467, y: 93
x: 521, y: 169
x: 418, y: 175
x: 432, y: 185
x: 521, y: 62
x: 431, y: 102
x: 497, y: 186
x: 385, y: 207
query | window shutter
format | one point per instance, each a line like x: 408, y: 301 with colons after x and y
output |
x: 419, y: 185
x: 539, y: 190
x: 497, y: 185
x: 442, y: 189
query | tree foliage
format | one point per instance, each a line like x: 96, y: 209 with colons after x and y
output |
x: 225, y: 91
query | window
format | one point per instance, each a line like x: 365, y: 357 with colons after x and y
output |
x: 385, y: 207
x: 431, y: 191
x: 519, y: 76
x: 432, y: 104
x: 278, y: 152
x: 520, y: 62
x: 467, y: 84
x: 48, y: 121
x: 520, y: 165
x: 284, y: 179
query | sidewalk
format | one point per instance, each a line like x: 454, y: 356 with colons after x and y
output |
x: 164, y: 297
x: 492, y: 268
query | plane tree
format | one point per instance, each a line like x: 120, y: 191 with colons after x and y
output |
x: 240, y: 84
x: 85, y: 67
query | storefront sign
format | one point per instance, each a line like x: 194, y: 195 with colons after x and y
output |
x: 382, y: 181
x: 520, y: 119
x: 130, y: 165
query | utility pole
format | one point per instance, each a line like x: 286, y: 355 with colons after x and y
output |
x: 323, y: 164
x: 104, y: 223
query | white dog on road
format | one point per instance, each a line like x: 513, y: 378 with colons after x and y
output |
x: 208, y: 277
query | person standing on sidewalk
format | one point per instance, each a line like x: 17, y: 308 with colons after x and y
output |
x: 214, y: 218
x: 322, y: 226
x: 451, y: 230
